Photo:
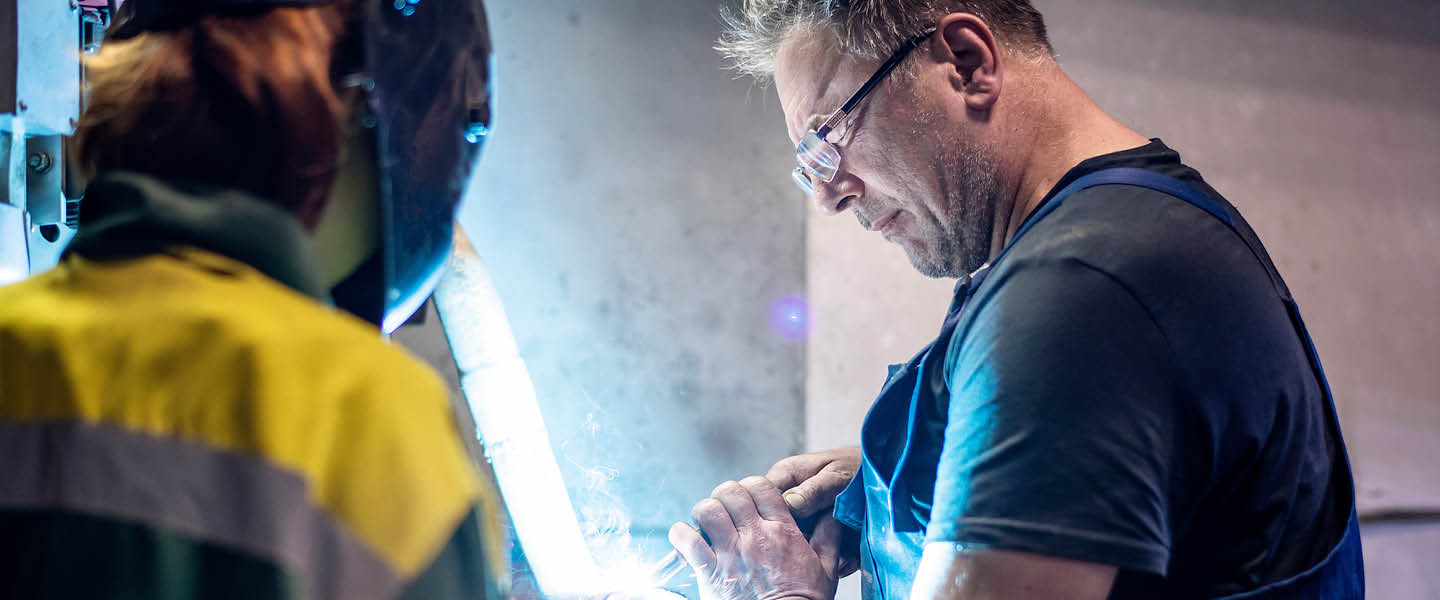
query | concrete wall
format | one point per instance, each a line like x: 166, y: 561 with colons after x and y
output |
x: 633, y: 208
x: 1321, y: 122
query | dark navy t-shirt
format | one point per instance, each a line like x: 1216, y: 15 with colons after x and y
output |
x: 1126, y: 387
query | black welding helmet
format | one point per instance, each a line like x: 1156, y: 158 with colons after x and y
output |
x: 426, y: 77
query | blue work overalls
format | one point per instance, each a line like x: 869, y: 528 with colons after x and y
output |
x: 893, y: 528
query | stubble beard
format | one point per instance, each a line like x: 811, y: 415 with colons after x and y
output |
x: 960, y: 241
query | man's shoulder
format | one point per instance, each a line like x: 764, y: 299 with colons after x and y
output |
x: 1152, y: 243
x: 1134, y: 260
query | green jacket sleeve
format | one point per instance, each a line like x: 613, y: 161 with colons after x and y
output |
x: 465, y: 568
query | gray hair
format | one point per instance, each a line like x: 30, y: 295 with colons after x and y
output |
x: 866, y: 29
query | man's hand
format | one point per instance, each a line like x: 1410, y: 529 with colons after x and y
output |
x: 756, y: 551
x: 811, y: 481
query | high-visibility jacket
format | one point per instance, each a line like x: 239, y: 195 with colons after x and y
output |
x: 178, y: 423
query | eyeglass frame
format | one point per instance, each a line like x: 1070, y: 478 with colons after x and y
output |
x: 801, y: 174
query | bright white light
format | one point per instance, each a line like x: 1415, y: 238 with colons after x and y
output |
x: 501, y: 397
x: 10, y: 274
x: 14, y: 253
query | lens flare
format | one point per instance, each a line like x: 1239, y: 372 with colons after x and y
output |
x: 790, y: 318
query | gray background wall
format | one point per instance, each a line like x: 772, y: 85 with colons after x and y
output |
x: 634, y: 209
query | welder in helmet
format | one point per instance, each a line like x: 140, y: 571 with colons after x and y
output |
x: 198, y: 402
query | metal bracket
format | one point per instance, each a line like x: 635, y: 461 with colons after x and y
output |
x: 40, y: 84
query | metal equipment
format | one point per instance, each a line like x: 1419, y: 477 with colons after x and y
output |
x: 41, y: 82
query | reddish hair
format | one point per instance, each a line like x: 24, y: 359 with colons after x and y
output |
x: 246, y: 101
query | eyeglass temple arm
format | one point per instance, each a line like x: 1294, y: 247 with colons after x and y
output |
x: 894, y: 61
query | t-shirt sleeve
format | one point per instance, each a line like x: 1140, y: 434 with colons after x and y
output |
x: 1059, y: 432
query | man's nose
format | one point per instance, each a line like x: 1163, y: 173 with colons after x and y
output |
x: 839, y: 194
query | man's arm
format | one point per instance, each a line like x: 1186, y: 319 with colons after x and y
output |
x: 757, y: 552
x: 1064, y: 416
x: 953, y: 572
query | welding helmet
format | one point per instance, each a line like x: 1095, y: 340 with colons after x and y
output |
x: 426, y: 80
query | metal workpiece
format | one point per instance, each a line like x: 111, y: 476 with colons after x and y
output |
x: 644, y: 594
x: 669, y: 567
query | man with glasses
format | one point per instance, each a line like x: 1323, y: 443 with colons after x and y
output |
x: 1122, y: 402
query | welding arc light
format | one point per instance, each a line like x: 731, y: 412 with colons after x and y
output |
x: 501, y: 398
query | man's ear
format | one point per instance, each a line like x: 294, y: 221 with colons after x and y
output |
x: 969, y: 48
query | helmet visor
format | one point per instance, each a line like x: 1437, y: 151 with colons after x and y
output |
x: 430, y: 64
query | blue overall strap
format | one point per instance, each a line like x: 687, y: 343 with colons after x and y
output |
x: 1130, y: 176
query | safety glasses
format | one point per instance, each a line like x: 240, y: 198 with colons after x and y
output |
x: 818, y: 158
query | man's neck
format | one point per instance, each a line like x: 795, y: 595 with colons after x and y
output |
x: 1064, y: 128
